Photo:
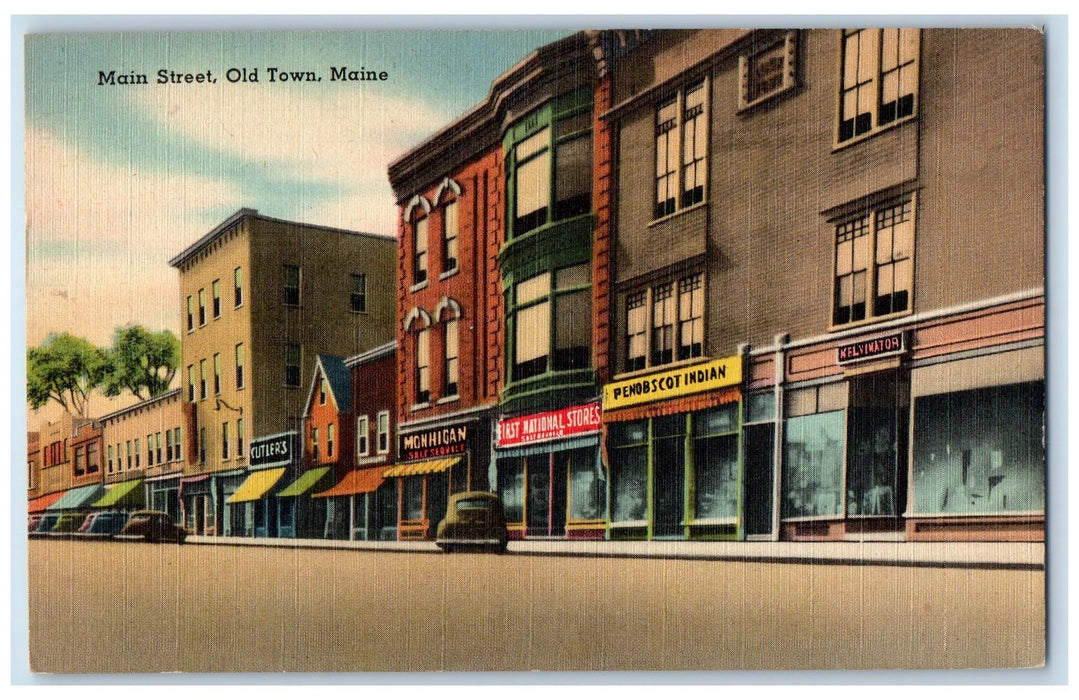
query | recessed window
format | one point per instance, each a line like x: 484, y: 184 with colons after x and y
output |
x: 314, y: 444
x: 216, y: 291
x: 191, y: 383
x: 384, y: 433
x: 225, y: 441
x: 450, y: 231
x: 681, y: 150
x: 202, y: 307
x: 190, y: 313
x: 423, y: 366
x: 202, y: 379
x: 664, y: 323
x: 552, y: 324
x: 291, y: 285
x: 874, y: 263
x: 240, y: 366
x: 419, y: 250
x: 329, y: 440
x: 239, y: 438
x: 449, y: 372
x: 237, y: 287
x: 217, y: 373
x: 362, y: 433
x: 293, y: 356
x: 357, y: 295
x: 879, y: 79
x: 322, y: 392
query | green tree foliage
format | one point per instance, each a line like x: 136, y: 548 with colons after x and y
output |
x: 141, y: 362
x: 64, y: 369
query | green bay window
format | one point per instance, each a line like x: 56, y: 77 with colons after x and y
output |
x: 551, y: 318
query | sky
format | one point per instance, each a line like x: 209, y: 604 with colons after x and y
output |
x: 120, y: 178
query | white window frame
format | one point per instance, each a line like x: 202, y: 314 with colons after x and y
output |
x: 383, y: 444
x: 674, y: 137
x: 363, y: 436
x: 866, y: 76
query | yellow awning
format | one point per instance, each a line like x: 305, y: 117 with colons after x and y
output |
x: 256, y: 485
x: 417, y: 468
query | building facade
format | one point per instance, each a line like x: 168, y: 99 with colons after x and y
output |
x: 64, y: 462
x: 260, y: 299
x: 146, y: 449
x: 828, y: 288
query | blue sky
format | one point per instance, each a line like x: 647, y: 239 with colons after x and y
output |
x: 121, y: 178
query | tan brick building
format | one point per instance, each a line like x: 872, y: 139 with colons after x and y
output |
x: 260, y: 298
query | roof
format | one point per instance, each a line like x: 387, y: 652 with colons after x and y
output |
x: 337, y: 377
x: 375, y: 353
x: 227, y: 225
x: 140, y: 405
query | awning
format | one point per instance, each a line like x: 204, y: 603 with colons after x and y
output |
x: 127, y: 494
x: 305, y: 483
x: 42, y: 502
x: 356, y: 481
x: 78, y: 497
x: 256, y: 485
x: 417, y: 468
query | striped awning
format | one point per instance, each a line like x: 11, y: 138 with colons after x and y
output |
x: 42, y: 502
x: 125, y: 493
x: 305, y: 483
x: 416, y: 468
x: 356, y: 481
x: 78, y: 497
x: 256, y: 485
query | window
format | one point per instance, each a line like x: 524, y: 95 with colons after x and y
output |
x: 190, y: 313
x: 291, y: 285
x: 419, y: 250
x: 202, y: 445
x: 168, y: 445
x: 129, y: 455
x: 80, y: 460
x: 362, y: 447
x: 322, y: 392
x: 383, y: 432
x: 217, y: 373
x: 202, y: 379
x: 543, y: 340
x: 450, y: 230
x: 449, y: 373
x: 681, y: 139
x: 237, y: 287
x: 239, y: 438
x: 549, y: 165
x: 357, y: 296
x: 138, y: 453
x: 768, y: 70
x: 157, y: 446
x: 91, y: 458
x: 314, y: 443
x: 202, y: 307
x: 176, y: 443
x: 329, y: 440
x: 240, y: 366
x: 110, y: 459
x: 216, y: 287
x: 874, y: 264
x: 629, y: 471
x: 150, y: 450
x: 880, y: 79
x: 423, y: 366
x: 715, y: 463
x: 293, y: 355
x: 224, y: 441
x: 191, y: 383
x: 664, y: 323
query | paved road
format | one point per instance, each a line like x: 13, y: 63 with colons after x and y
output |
x: 135, y: 607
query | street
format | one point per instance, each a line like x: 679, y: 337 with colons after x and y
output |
x: 124, y: 607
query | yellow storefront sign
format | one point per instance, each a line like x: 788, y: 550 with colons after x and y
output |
x: 676, y: 382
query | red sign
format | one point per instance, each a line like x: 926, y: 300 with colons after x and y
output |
x: 552, y: 425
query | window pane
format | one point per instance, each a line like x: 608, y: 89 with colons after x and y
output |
x: 511, y: 479
x: 716, y: 466
x: 587, y: 487
x: 813, y: 465
x: 663, y: 324
x: 636, y: 332
x: 573, y: 177
x: 980, y: 451
x: 850, y: 62
x: 533, y: 288
x: 575, y: 276
x: 573, y: 331
x: 629, y: 475
x: 532, y: 340
x: 532, y: 186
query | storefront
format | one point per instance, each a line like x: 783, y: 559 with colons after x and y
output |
x: 299, y: 515
x: 270, y: 458
x: 433, y: 463
x: 362, y: 506
x: 163, y: 494
x: 674, y: 453
x: 549, y: 473
x: 197, y: 503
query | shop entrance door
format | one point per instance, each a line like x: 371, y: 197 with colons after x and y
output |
x: 669, y: 476
x: 759, y: 479
x: 546, y: 498
x: 877, y: 452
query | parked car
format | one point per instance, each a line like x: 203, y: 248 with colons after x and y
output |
x: 102, y: 524
x: 153, y: 526
x: 32, y: 520
x: 474, y: 519
x: 68, y: 524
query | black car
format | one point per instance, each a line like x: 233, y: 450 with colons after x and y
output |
x: 153, y: 526
x: 102, y: 525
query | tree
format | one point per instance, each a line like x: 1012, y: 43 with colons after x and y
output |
x: 64, y: 369
x: 141, y: 362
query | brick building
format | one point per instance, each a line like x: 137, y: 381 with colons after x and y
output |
x: 828, y: 289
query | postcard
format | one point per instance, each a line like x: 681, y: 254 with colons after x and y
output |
x: 569, y: 350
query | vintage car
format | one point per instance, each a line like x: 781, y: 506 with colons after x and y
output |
x: 474, y: 519
x: 103, y: 524
x: 46, y: 523
x: 153, y: 526
x: 68, y: 524
x: 32, y: 520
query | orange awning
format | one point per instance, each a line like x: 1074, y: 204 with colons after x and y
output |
x: 42, y: 502
x: 356, y: 481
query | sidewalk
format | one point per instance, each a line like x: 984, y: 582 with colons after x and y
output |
x: 993, y: 555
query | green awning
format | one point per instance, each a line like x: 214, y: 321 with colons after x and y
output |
x: 126, y: 494
x: 305, y: 483
x: 78, y: 497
